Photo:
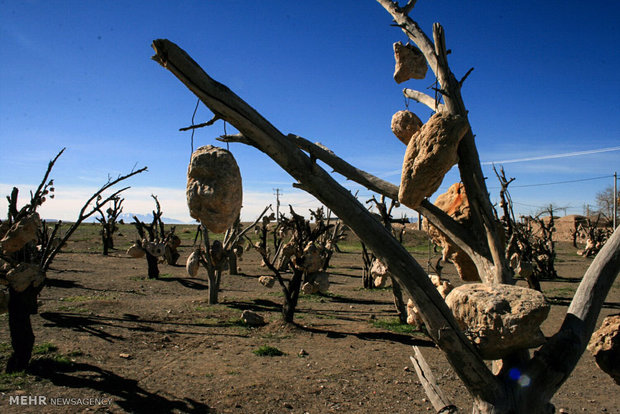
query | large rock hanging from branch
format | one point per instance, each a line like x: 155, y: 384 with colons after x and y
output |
x: 430, y: 154
x: 20, y: 233
x: 404, y: 125
x: 214, y: 191
x: 410, y: 63
x: 605, y: 347
x: 499, y: 319
x: 455, y: 203
x: 24, y: 274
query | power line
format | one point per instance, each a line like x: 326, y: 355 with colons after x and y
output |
x: 562, y: 182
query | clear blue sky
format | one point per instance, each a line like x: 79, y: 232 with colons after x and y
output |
x: 78, y: 74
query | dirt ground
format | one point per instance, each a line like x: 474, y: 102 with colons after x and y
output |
x: 115, y: 341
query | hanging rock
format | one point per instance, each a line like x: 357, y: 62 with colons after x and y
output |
x: 20, y: 233
x: 252, y: 318
x: 404, y: 125
x: 379, y: 273
x: 267, y: 281
x: 454, y: 202
x: 218, y: 255
x: 430, y: 154
x: 193, y: 263
x: 135, y: 251
x: 312, y: 259
x: 214, y: 191
x: 24, y: 274
x: 413, y: 316
x: 499, y: 319
x: 605, y: 347
x: 410, y: 63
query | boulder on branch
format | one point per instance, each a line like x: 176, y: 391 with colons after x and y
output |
x: 20, y: 233
x: 605, y: 347
x: 135, y: 251
x: 430, y: 154
x: 499, y: 319
x: 214, y: 191
x: 379, y: 273
x: 455, y: 203
x: 193, y: 263
x: 410, y: 63
x: 404, y: 125
x: 24, y: 274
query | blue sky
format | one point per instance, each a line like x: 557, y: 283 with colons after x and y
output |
x: 78, y: 74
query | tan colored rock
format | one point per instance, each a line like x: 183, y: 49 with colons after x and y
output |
x: 214, y: 191
x: 410, y: 63
x: 267, y: 281
x: 379, y: 273
x: 430, y: 154
x: 23, y: 275
x: 605, y: 347
x: 218, y: 255
x: 135, y: 251
x: 455, y: 203
x: 310, y: 288
x: 20, y: 233
x: 312, y: 259
x: 252, y: 318
x: 404, y: 125
x: 499, y: 319
x: 193, y: 263
x: 413, y: 315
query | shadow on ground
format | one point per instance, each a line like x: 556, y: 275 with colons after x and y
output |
x: 125, y: 392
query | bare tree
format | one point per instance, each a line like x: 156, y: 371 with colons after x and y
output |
x: 549, y: 367
x: 156, y: 242
x: 108, y: 223
x: 214, y: 255
x: 28, y: 248
x: 605, y: 201
x: 301, y: 255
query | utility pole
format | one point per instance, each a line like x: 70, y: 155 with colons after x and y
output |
x: 277, y: 193
x: 615, y: 199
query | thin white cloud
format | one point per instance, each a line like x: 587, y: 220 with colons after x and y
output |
x: 553, y: 156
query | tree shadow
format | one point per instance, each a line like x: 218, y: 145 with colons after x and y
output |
x: 257, y: 305
x: 129, y: 395
x: 186, y: 282
x: 371, y: 336
x: 94, y: 324
x: 79, y: 323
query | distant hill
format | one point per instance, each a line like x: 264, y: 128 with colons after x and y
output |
x: 128, y: 218
x: 147, y: 218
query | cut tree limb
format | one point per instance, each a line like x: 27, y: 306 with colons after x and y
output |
x: 440, y: 402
